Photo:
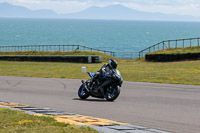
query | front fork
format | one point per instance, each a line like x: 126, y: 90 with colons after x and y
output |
x: 85, y: 86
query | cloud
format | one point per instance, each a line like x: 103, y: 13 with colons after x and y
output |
x: 181, y: 7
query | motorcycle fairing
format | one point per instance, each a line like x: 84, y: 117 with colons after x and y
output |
x: 92, y: 75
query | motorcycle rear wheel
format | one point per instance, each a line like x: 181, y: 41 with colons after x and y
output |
x: 112, y: 92
x: 83, y: 93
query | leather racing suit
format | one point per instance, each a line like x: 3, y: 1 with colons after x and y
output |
x: 105, y: 69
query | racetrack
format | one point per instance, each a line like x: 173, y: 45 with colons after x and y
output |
x: 175, y: 108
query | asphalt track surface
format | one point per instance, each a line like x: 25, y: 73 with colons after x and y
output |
x: 174, y: 108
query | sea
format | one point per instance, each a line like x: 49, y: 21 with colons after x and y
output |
x: 112, y: 35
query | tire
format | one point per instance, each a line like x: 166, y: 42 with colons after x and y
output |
x: 83, y: 93
x: 112, y: 93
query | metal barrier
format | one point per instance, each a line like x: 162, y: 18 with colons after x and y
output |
x: 52, y: 48
x: 189, y: 42
x: 122, y: 55
x: 53, y: 58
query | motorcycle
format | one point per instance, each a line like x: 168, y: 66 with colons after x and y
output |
x: 108, y: 86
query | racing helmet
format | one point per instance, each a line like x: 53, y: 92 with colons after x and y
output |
x: 112, y: 63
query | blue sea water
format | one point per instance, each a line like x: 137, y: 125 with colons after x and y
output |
x: 125, y: 36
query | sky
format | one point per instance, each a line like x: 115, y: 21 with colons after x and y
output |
x: 181, y: 7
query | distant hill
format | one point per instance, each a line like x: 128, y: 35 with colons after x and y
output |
x: 12, y: 11
x: 113, y: 12
x: 119, y: 12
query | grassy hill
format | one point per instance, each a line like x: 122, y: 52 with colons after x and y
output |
x: 178, y: 50
x: 105, y: 57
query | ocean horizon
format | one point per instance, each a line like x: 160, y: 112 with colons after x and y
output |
x: 112, y: 35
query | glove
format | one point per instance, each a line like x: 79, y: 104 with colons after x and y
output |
x: 97, y: 73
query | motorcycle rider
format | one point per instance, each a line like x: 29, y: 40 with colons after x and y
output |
x: 106, y: 69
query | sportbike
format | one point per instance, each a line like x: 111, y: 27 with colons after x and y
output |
x: 107, y: 86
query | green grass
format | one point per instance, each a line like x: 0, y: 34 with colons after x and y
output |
x: 178, y: 50
x: 183, y: 72
x: 17, y: 122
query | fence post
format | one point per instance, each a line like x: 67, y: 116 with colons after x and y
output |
x: 198, y: 42
x: 176, y: 43
x: 190, y: 42
x: 139, y: 55
x: 183, y: 43
x: 163, y: 45
x: 169, y: 43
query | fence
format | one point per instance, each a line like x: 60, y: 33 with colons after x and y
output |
x: 189, y: 42
x: 52, y: 48
x: 122, y: 55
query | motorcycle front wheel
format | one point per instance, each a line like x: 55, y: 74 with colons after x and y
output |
x: 112, y: 92
x: 83, y: 93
